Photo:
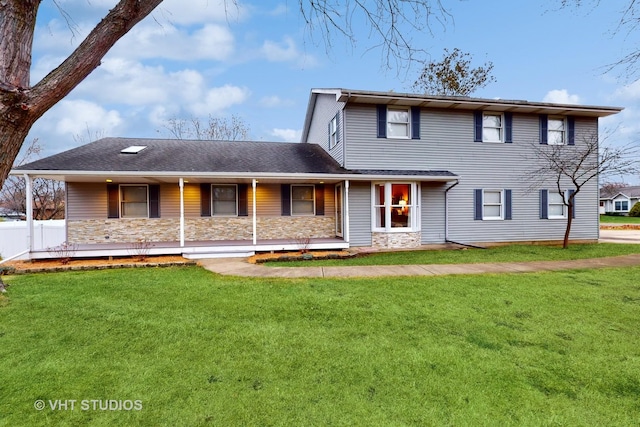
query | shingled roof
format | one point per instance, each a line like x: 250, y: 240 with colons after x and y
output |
x: 170, y: 155
x: 181, y: 157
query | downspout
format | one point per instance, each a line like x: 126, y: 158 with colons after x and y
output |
x: 446, y: 211
x: 446, y: 220
x: 347, y: 216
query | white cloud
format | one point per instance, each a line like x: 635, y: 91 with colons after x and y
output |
x: 200, y: 11
x: 275, y: 101
x: 280, y: 52
x: 76, y: 117
x: 288, y: 135
x: 629, y: 92
x: 218, y: 99
x: 561, y: 96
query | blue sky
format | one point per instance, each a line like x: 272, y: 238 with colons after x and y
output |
x: 191, y: 59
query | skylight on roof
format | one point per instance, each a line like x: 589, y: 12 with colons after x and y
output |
x: 134, y: 149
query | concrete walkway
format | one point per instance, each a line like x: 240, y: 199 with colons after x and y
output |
x: 240, y: 267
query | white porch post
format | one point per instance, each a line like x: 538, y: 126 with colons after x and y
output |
x: 181, y: 184
x: 346, y: 211
x: 255, y: 219
x: 29, y: 213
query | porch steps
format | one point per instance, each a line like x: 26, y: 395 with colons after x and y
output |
x: 217, y: 254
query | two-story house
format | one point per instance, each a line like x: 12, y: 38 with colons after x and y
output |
x: 378, y: 169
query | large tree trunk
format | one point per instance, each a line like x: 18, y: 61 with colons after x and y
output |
x: 20, y: 104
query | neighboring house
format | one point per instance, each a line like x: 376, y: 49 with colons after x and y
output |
x: 378, y: 169
x: 7, y: 214
x: 619, y: 201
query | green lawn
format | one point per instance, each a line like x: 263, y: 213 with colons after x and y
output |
x: 619, y: 219
x: 511, y: 253
x: 198, y: 349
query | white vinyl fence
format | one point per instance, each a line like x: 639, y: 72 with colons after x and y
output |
x: 46, y: 234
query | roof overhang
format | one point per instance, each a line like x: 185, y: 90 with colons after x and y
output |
x: 237, y: 177
x: 467, y: 103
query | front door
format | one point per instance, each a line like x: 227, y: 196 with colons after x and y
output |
x: 339, y: 199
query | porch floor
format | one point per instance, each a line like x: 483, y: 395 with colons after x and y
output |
x: 192, y: 249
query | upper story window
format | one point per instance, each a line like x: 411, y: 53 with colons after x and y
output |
x: 493, y: 127
x: 303, y: 200
x: 557, y: 130
x: 224, y: 199
x: 398, y: 122
x: 333, y: 132
x: 492, y: 130
x: 394, y: 206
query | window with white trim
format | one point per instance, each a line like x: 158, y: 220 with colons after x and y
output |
x: 134, y: 201
x: 621, y: 205
x: 224, y: 200
x: 556, y: 206
x: 398, y: 122
x: 492, y: 127
x: 492, y: 204
x: 333, y: 132
x: 556, y: 131
x: 303, y: 200
x: 395, y: 206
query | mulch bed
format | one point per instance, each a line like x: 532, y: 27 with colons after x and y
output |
x: 620, y: 227
x: 80, y: 264
x: 299, y: 256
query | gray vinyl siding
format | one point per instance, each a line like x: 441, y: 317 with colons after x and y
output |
x: 447, y: 143
x: 325, y: 109
x: 432, y: 212
x: 86, y: 200
x: 360, y: 214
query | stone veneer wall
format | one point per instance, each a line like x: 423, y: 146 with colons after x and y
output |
x: 396, y: 240
x: 125, y: 230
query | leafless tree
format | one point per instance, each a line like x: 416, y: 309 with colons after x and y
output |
x: 391, y: 23
x: 627, y: 25
x: 453, y: 76
x: 571, y: 167
x: 48, y: 195
x: 215, y: 129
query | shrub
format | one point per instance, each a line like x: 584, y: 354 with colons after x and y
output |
x: 635, y: 210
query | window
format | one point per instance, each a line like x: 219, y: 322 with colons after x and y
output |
x: 224, y: 200
x: 556, y: 206
x: 622, y: 205
x: 556, y: 131
x: 333, y: 132
x: 492, y: 204
x: 302, y: 200
x: 492, y: 130
x: 394, y: 206
x: 493, y: 126
x: 133, y: 201
x: 398, y: 123
x: 552, y: 204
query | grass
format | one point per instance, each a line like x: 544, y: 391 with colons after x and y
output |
x: 200, y: 349
x: 510, y: 253
x: 619, y: 219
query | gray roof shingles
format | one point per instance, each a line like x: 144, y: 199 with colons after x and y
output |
x: 170, y: 155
